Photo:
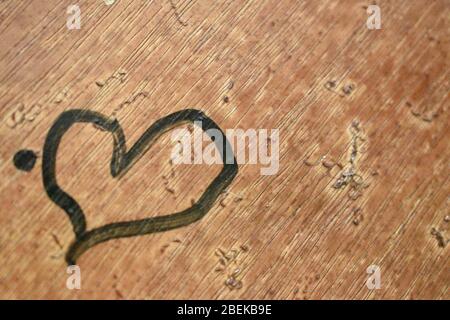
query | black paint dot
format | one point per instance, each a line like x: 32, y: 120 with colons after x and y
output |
x: 25, y: 160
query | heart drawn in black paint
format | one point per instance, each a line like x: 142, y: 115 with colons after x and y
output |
x: 121, y: 161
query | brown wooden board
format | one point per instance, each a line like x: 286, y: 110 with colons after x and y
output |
x: 341, y: 96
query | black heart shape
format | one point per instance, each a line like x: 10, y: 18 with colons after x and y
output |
x: 123, y: 160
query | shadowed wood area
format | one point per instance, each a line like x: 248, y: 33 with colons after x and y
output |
x: 364, y: 147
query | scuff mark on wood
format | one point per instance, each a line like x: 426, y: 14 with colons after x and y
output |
x: 177, y: 14
x: 442, y: 242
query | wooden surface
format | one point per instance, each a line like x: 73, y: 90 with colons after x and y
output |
x: 297, y: 236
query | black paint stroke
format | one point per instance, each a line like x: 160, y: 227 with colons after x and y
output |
x: 121, y: 161
x: 25, y: 160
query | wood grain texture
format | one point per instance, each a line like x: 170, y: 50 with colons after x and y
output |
x: 289, y: 63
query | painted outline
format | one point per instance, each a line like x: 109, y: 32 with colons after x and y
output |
x: 121, y: 161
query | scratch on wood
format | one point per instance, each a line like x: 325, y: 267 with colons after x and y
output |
x: 442, y: 242
x: 120, y: 75
x: 20, y: 114
x: 350, y: 176
x: 229, y: 264
x: 61, y: 95
x: 55, y: 238
x: 177, y: 14
x: 127, y: 102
